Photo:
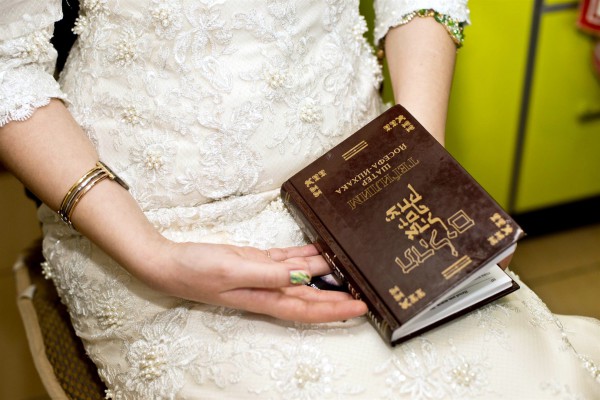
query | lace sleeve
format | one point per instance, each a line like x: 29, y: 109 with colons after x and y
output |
x: 391, y: 13
x: 27, y: 58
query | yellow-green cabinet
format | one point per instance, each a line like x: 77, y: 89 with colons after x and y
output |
x: 485, y: 103
x: 561, y: 147
x: 524, y: 113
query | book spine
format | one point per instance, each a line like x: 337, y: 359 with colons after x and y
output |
x: 337, y: 259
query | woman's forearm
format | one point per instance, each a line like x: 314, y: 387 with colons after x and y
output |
x: 421, y: 58
x: 49, y: 152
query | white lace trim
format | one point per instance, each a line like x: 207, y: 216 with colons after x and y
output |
x: 390, y: 13
x: 27, y: 59
x: 23, y: 90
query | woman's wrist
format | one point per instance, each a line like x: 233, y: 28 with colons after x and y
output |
x: 156, y: 264
x: 112, y: 219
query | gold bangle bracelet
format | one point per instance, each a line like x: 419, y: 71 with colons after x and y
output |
x: 75, y: 191
x: 83, y: 185
x: 77, y: 185
x: 82, y: 192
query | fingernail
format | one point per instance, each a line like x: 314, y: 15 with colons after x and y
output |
x: 299, y: 277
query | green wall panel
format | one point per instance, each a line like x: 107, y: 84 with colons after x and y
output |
x: 486, y: 96
x: 561, y: 158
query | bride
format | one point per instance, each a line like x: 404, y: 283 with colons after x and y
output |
x: 159, y: 154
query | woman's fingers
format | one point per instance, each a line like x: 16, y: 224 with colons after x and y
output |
x: 284, y: 253
x: 315, y: 264
x: 273, y: 268
x: 312, y: 294
x: 307, y: 257
x: 268, y: 274
x: 303, y: 304
x: 251, y: 279
x: 273, y: 283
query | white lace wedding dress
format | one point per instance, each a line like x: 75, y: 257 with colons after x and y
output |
x: 204, y: 107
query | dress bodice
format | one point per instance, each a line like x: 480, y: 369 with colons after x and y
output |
x: 197, y: 101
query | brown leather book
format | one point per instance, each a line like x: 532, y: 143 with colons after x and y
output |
x: 404, y: 226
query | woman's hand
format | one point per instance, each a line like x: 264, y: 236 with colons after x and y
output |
x: 49, y: 152
x: 255, y: 280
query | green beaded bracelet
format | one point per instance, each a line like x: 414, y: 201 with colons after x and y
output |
x: 454, y: 27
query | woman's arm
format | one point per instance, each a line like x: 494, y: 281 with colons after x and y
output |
x: 49, y: 152
x: 421, y: 56
x: 421, y: 59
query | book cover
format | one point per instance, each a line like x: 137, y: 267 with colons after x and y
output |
x: 402, y: 223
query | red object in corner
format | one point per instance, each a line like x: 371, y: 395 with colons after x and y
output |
x: 589, y: 16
